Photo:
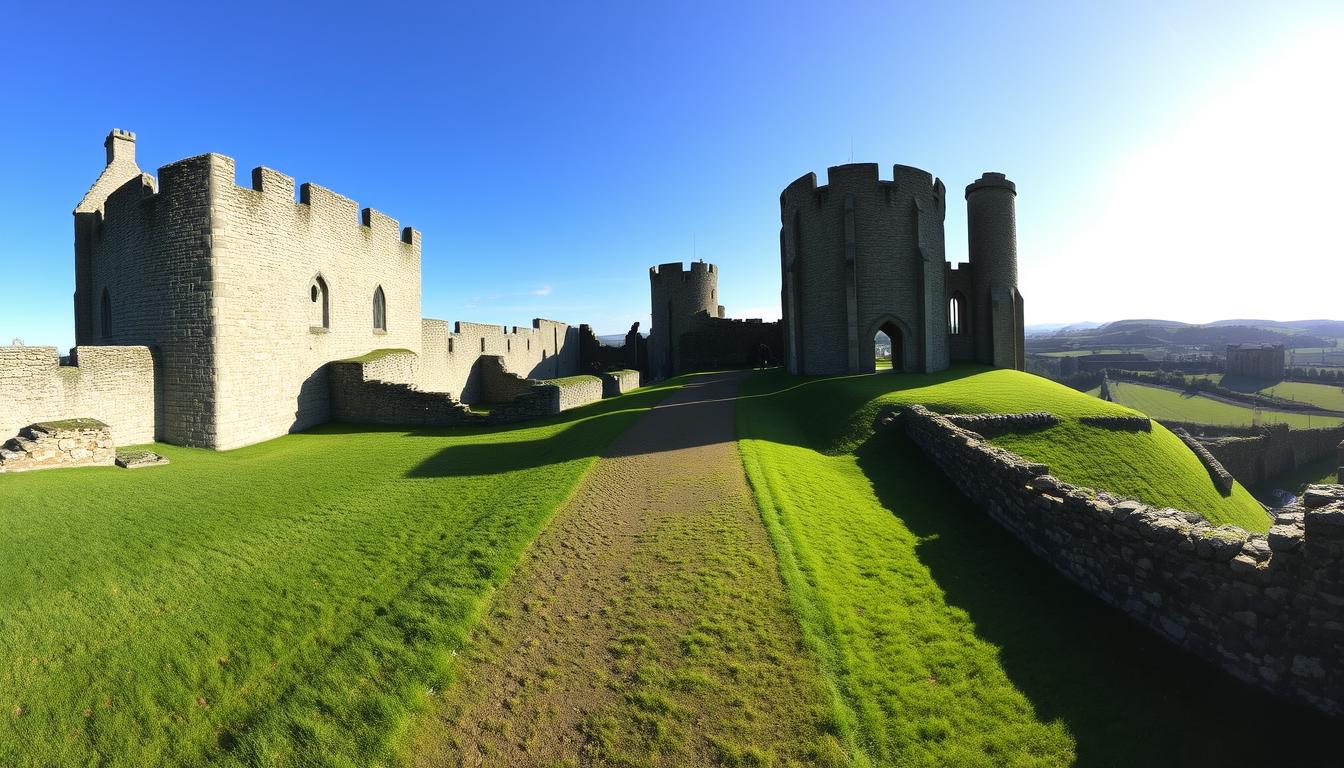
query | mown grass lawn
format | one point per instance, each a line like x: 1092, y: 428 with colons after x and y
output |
x: 1161, y: 403
x: 944, y: 641
x: 290, y: 603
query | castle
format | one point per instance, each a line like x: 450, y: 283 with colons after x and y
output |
x: 860, y: 255
x: 216, y: 315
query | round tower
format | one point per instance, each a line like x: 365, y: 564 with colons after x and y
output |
x: 991, y: 217
x: 680, y: 299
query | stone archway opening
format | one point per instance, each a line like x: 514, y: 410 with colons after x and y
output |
x: 889, y: 348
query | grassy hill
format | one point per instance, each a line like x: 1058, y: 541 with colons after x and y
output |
x: 944, y: 641
x: 1168, y: 404
x: 293, y: 602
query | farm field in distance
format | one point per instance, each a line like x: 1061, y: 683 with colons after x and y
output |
x: 1170, y: 405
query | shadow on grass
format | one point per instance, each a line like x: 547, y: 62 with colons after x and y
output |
x: 1126, y: 696
x: 588, y: 432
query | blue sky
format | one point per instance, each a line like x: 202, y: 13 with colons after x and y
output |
x: 551, y: 153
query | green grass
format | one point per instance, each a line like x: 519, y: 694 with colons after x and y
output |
x: 1170, y: 405
x: 564, y: 380
x: 289, y: 603
x: 944, y: 641
x: 1330, y: 397
x: 377, y: 354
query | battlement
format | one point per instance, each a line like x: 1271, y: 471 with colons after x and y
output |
x: 273, y: 188
x: 991, y: 180
x: 853, y: 177
x: 676, y: 269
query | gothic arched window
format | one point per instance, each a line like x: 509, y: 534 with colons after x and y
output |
x: 320, y: 312
x: 379, y: 309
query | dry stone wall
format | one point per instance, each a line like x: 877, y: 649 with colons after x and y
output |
x: 50, y: 445
x: 1253, y: 455
x: 1266, y: 608
x: 114, y: 385
x: 619, y: 382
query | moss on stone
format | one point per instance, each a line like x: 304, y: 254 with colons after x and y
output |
x: 377, y: 354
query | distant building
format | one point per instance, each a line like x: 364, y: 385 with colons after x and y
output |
x: 1260, y: 361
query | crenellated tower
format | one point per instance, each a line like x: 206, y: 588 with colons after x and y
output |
x: 860, y: 255
x: 681, y: 301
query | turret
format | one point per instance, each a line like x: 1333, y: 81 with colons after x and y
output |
x: 679, y: 299
x: 991, y: 216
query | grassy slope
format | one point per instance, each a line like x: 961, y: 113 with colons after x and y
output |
x: 1174, y: 406
x: 289, y: 603
x: 1321, y: 395
x: 945, y: 642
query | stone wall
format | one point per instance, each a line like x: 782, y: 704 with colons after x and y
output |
x: 995, y: 424
x: 1119, y: 423
x: 575, y: 391
x: 1258, y: 361
x: 55, y: 444
x: 1254, y: 455
x: 449, y: 360
x: 1265, y: 608
x: 715, y: 343
x: 619, y: 382
x: 1222, y: 479
x: 358, y: 396
x: 114, y: 385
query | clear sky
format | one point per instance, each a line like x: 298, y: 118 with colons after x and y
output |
x: 1182, y: 161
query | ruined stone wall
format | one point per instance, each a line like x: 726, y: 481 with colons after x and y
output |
x: 859, y: 255
x: 358, y: 396
x: 960, y: 283
x: 1253, y: 455
x: 114, y: 385
x: 594, y: 356
x: 450, y: 359
x: 619, y: 382
x: 59, y: 444
x: 1258, y: 606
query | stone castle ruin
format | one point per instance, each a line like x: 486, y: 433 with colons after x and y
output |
x: 208, y: 314
x: 217, y: 315
x: 860, y: 255
x: 1256, y: 361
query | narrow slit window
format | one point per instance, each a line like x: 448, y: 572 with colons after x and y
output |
x: 320, y: 312
x: 379, y: 309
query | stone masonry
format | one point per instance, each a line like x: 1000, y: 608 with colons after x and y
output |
x: 1263, y: 607
x: 49, y: 445
x: 216, y: 309
x: 860, y: 255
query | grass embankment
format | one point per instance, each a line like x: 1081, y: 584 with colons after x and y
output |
x: 1168, y: 404
x: 289, y: 603
x: 945, y: 642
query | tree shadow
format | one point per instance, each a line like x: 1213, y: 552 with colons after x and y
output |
x: 1126, y: 696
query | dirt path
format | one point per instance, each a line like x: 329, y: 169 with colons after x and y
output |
x: 647, y: 625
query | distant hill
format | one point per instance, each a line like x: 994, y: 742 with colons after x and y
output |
x: 1174, y: 335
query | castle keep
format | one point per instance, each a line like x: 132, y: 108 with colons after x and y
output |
x: 208, y: 314
x: 860, y: 255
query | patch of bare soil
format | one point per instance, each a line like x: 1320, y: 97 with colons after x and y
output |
x: 647, y: 625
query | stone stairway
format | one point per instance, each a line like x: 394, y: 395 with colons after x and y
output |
x: 68, y: 443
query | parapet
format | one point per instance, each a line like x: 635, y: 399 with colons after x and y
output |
x: 675, y: 269
x: 991, y: 179
x: 858, y: 176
